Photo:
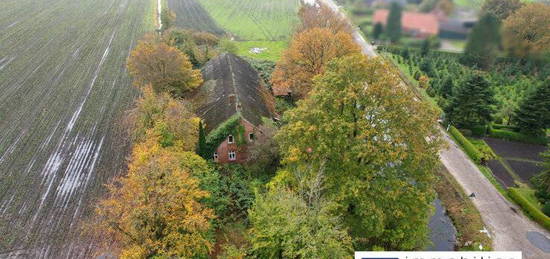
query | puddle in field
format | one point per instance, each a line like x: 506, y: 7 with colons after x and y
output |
x: 443, y: 232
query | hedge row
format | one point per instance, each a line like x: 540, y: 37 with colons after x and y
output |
x: 470, y: 149
x: 515, y: 136
x: 529, y: 208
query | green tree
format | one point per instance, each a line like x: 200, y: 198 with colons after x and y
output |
x: 533, y: 115
x: 425, y: 48
x: 202, y: 146
x: 167, y: 17
x: 286, y: 226
x: 377, y: 31
x: 473, y: 103
x: 483, y: 43
x: 501, y: 9
x: 393, y: 25
x: 363, y: 132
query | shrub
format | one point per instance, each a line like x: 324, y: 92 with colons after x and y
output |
x: 515, y: 136
x: 529, y: 208
x: 470, y: 149
x: 546, y: 209
x: 479, y: 131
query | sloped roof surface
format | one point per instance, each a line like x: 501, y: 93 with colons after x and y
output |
x: 231, y: 85
x: 423, y: 22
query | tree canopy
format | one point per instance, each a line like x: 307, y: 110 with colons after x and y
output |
x: 533, y: 115
x: 321, y: 16
x: 501, y: 9
x: 307, y: 56
x: 375, y: 144
x: 483, y: 43
x: 155, y: 210
x: 472, y: 103
x: 164, y: 67
x: 393, y: 25
x: 526, y: 33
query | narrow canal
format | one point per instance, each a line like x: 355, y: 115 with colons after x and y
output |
x: 443, y: 232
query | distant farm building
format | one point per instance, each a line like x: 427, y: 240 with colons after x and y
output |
x: 420, y: 25
x: 233, y: 104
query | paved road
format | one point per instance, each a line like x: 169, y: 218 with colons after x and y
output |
x: 508, y: 229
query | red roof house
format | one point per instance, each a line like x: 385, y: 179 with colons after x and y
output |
x: 419, y: 25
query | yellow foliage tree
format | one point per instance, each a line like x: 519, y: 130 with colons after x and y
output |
x: 155, y: 209
x: 526, y: 32
x: 172, y: 120
x: 322, y: 16
x: 307, y: 56
x: 164, y: 67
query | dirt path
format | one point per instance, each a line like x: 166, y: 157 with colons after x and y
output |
x: 510, y: 231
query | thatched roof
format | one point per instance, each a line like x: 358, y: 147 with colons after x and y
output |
x: 231, y: 86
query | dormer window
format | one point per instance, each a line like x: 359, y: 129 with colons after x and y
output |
x: 251, y: 136
x: 230, y: 139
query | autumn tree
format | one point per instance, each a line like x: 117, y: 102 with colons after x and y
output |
x: 533, y: 115
x: 307, y: 56
x: 526, y: 33
x: 171, y: 119
x: 322, y: 16
x: 393, y: 24
x: 155, y: 210
x: 376, y: 144
x: 283, y: 225
x: 164, y: 67
x: 501, y: 9
x: 483, y: 43
x: 472, y: 104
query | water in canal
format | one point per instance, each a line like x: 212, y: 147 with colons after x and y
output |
x: 443, y: 232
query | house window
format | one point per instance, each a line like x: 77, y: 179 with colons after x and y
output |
x: 230, y: 139
x: 251, y: 136
x: 215, y: 156
x: 232, y: 156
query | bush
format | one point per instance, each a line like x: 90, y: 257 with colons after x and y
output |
x: 479, y: 131
x: 546, y: 209
x: 470, y: 149
x: 515, y: 136
x: 529, y: 208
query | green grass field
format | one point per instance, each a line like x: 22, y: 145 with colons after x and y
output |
x: 253, y: 19
x: 272, y: 50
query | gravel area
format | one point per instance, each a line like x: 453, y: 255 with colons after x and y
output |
x: 507, y: 149
x: 525, y: 170
x: 501, y: 174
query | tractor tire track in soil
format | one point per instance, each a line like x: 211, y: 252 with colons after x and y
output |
x: 63, y: 88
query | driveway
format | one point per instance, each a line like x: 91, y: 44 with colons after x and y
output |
x: 509, y: 230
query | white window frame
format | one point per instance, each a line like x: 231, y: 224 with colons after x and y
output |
x: 230, y: 139
x: 215, y: 156
x: 232, y: 155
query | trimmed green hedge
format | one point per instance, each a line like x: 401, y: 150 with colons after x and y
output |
x: 515, y: 136
x: 529, y: 208
x: 470, y: 149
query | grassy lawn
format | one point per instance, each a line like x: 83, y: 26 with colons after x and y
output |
x: 272, y: 49
x: 253, y: 19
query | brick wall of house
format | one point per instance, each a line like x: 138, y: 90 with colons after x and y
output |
x: 241, y: 151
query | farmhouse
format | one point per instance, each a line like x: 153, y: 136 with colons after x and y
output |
x: 234, y: 105
x: 420, y: 25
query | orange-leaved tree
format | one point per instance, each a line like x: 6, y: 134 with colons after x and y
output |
x: 155, y: 210
x: 322, y: 16
x: 526, y: 32
x: 166, y: 68
x: 308, y: 54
